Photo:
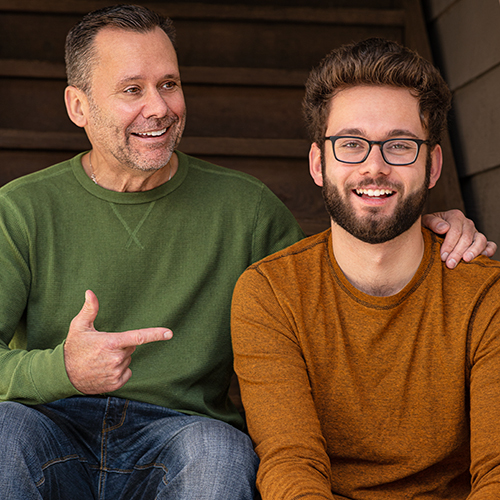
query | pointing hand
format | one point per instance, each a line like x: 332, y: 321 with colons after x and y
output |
x: 98, y: 362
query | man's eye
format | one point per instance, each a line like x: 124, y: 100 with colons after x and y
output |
x: 351, y: 145
x: 401, y: 146
x: 169, y: 85
x: 132, y: 90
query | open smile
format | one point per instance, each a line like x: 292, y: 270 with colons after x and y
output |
x: 374, y: 193
x: 153, y: 133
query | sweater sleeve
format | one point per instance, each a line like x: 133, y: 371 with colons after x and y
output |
x: 274, y: 226
x: 484, y: 362
x: 276, y: 394
x: 29, y: 377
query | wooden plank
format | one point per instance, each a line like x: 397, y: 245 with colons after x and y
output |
x: 262, y: 112
x: 477, y: 122
x: 22, y: 68
x: 468, y: 38
x: 230, y: 146
x: 415, y: 29
x: 191, y: 10
x: 251, y: 44
x: 481, y: 196
x: 43, y: 140
x: 266, y: 77
x: 33, y: 104
x: 435, y: 8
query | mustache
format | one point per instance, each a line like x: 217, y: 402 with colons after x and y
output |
x: 154, y: 124
x: 379, y: 182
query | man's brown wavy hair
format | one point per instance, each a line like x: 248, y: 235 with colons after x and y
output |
x: 376, y: 62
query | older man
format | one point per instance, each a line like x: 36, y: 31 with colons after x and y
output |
x: 160, y: 238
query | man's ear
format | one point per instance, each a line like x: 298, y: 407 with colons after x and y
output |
x: 436, y: 165
x: 76, y: 105
x: 315, y: 164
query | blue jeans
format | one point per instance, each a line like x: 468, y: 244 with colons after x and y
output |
x: 85, y: 448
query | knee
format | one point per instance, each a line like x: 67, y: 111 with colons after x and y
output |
x: 216, y: 442
x: 16, y: 420
x: 22, y: 427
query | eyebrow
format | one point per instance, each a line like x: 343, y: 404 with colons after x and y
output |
x: 393, y: 133
x: 134, y: 78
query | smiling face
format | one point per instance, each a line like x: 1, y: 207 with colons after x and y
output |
x: 135, y: 113
x: 374, y: 201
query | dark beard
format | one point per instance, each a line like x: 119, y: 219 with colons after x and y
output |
x: 372, y: 228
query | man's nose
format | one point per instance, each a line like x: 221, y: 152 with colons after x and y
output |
x: 374, y: 163
x: 155, y: 105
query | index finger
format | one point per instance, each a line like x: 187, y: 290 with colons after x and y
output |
x: 132, y: 338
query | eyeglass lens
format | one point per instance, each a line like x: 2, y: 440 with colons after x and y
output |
x: 394, y: 151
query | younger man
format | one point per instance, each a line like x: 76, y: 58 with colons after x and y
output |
x: 368, y: 369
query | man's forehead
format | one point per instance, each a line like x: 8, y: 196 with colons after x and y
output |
x: 110, y: 40
x: 368, y: 108
x: 127, y: 54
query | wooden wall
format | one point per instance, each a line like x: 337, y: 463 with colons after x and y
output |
x: 243, y: 65
x: 465, y: 36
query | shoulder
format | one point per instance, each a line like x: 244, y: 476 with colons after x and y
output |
x: 244, y: 201
x: 206, y: 171
x: 479, y: 278
x: 469, y: 274
x: 304, y: 254
x: 32, y: 185
x: 471, y: 288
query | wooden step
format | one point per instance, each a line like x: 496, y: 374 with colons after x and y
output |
x: 209, y: 35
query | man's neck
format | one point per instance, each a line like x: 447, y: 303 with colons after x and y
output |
x: 383, y: 269
x: 126, y: 180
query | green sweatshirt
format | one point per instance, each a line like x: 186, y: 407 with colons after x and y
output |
x: 168, y: 257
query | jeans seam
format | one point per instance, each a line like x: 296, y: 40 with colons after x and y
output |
x: 59, y: 460
x: 104, y: 446
x: 152, y: 465
x: 120, y: 423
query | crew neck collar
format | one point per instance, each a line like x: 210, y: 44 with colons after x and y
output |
x: 135, y: 197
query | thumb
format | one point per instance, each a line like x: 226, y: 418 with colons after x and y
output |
x: 84, y: 320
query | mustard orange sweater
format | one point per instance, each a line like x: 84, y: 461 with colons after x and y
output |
x: 353, y: 396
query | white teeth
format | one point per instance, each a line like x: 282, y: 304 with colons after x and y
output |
x: 376, y: 193
x: 156, y: 133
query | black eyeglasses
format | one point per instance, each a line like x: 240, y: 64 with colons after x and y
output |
x: 351, y: 149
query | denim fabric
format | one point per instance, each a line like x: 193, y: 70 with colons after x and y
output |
x: 113, y: 449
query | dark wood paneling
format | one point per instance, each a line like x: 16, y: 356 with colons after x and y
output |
x: 477, y: 124
x: 244, y: 112
x: 33, y: 105
x: 267, y: 45
x: 481, y: 193
x: 467, y: 39
x: 347, y: 11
